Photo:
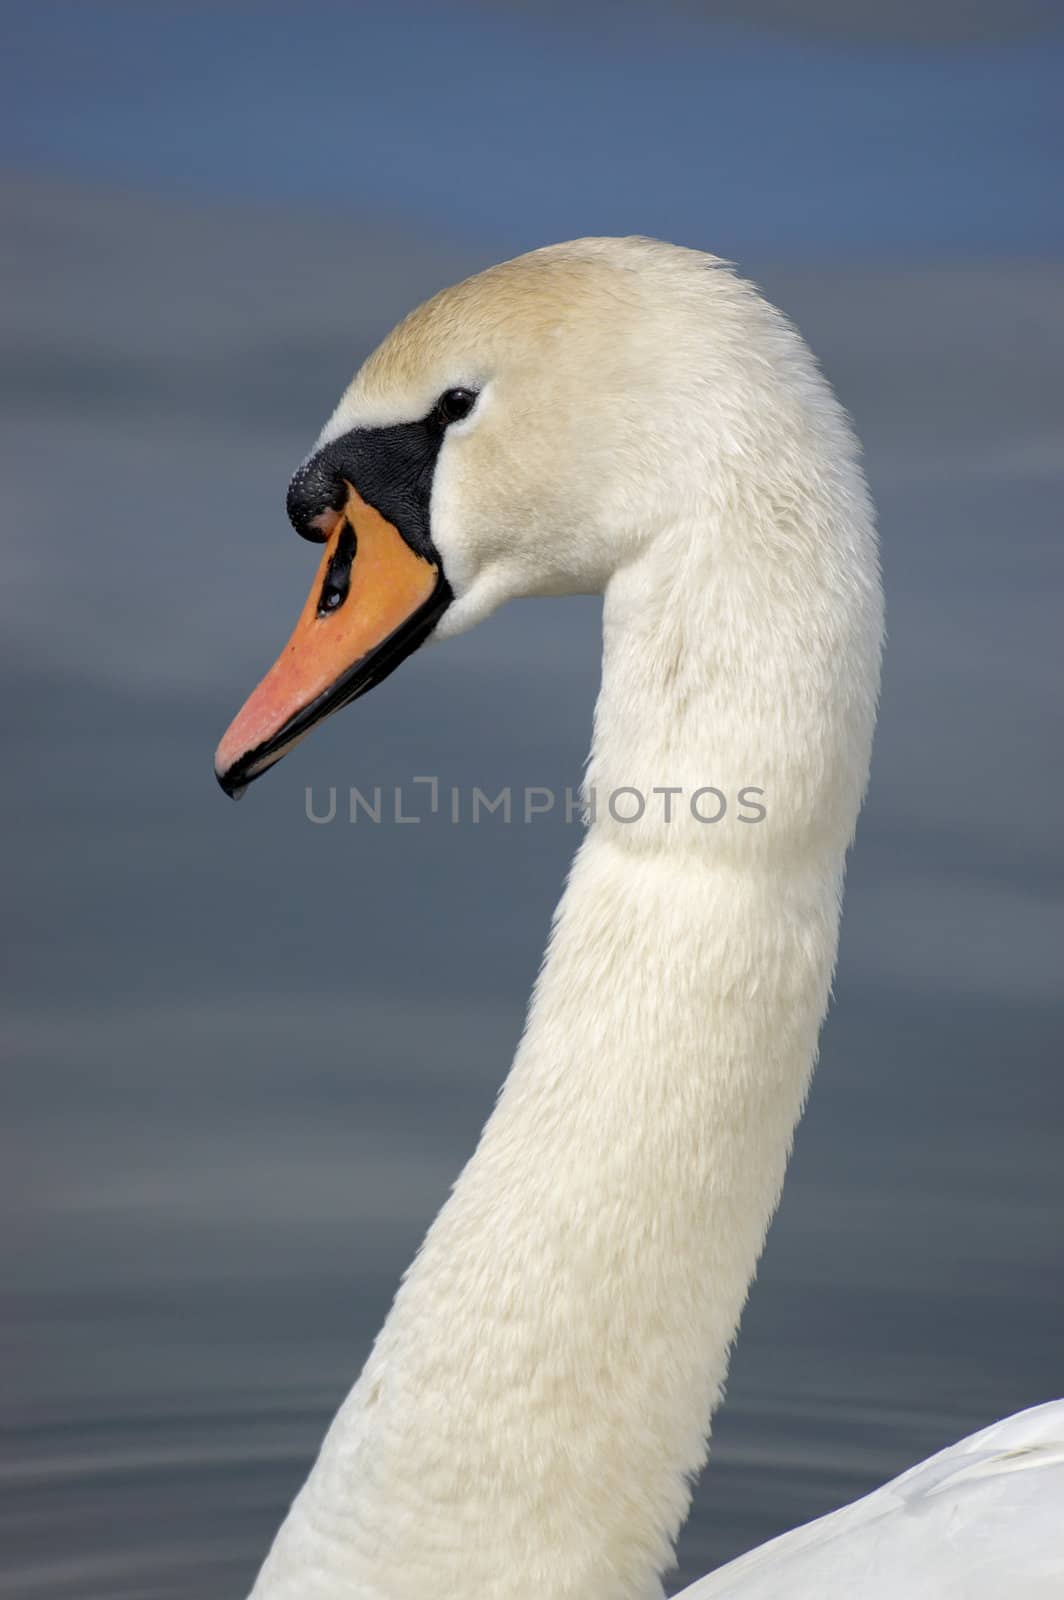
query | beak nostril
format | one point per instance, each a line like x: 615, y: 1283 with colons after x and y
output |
x: 316, y: 496
x: 337, y: 581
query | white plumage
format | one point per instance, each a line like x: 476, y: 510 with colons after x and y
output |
x: 528, y: 1422
x: 982, y: 1520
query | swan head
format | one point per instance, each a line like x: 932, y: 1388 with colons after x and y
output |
x: 527, y: 432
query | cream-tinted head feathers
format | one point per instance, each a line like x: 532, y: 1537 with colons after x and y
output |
x: 618, y: 380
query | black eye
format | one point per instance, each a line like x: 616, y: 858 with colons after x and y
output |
x: 454, y: 404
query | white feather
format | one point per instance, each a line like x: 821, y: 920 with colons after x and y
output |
x: 982, y: 1520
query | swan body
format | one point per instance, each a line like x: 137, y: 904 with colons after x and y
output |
x: 978, y: 1521
x: 630, y: 418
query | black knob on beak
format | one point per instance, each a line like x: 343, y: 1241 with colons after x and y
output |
x: 316, y: 496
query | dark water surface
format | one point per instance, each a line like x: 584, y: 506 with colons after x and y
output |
x: 248, y: 1054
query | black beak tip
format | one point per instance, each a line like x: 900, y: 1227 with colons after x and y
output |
x: 232, y: 783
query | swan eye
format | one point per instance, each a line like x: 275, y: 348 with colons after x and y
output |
x: 454, y: 404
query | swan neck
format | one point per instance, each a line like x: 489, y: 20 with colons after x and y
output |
x: 532, y: 1414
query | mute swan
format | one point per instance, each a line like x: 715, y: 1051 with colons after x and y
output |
x: 630, y: 418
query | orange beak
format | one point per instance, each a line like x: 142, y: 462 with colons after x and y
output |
x: 374, y: 600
